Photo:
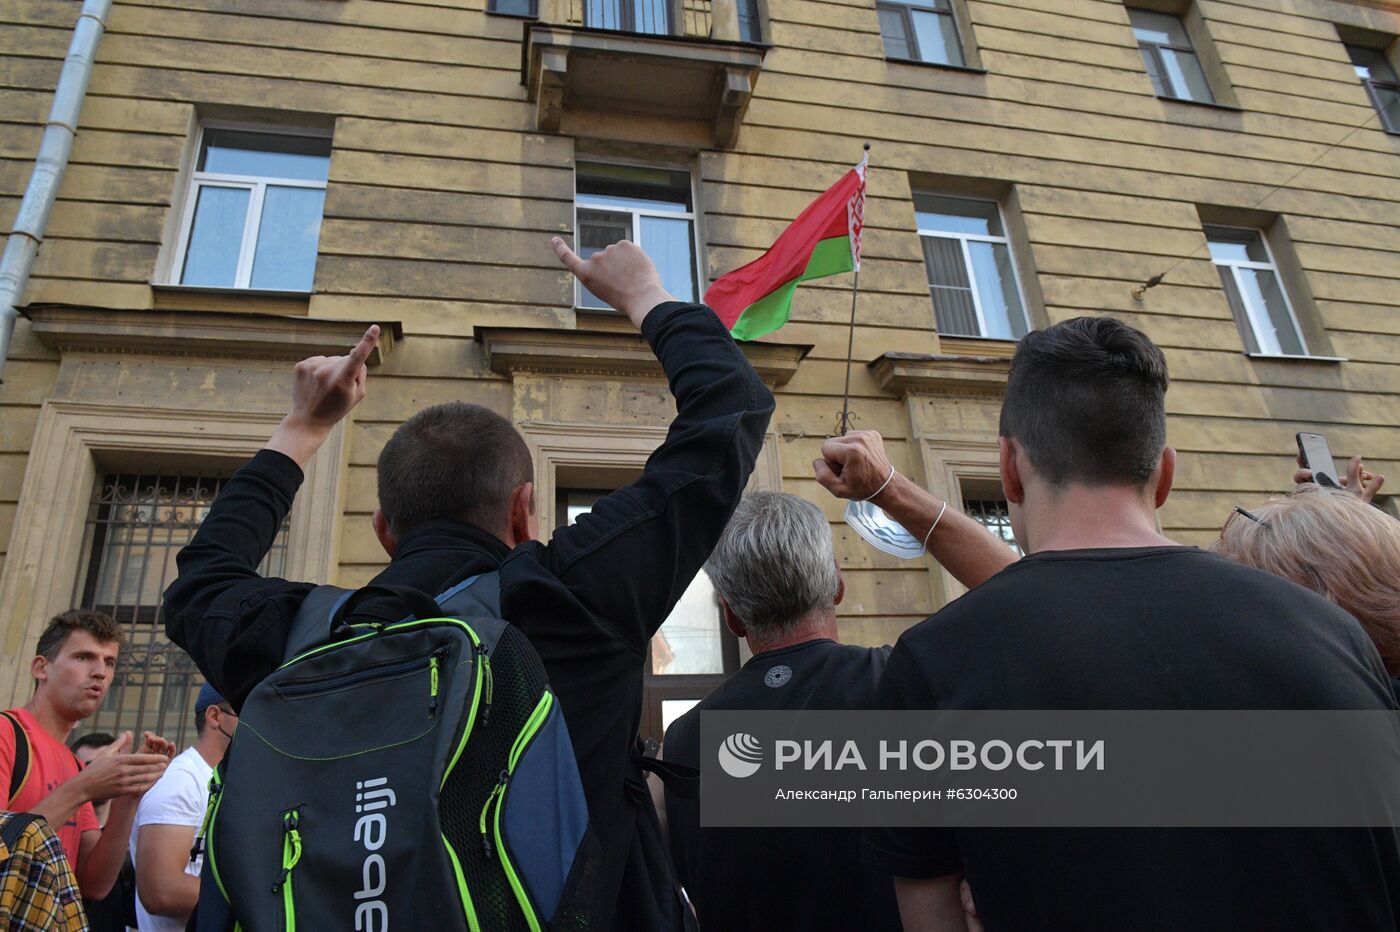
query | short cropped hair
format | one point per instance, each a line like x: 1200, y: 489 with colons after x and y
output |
x: 1086, y: 401
x: 453, y: 461
x: 1333, y: 543
x: 99, y: 624
x: 773, y: 563
x: 93, y: 739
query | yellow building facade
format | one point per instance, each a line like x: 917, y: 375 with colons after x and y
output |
x: 256, y: 182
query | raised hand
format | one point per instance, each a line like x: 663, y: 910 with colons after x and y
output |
x: 153, y: 743
x: 328, y: 387
x: 113, y: 772
x: 324, y: 390
x: 853, y: 465
x: 621, y: 275
x: 1359, y: 480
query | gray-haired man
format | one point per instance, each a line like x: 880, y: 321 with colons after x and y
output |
x: 779, y: 586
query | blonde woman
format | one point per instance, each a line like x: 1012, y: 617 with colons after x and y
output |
x: 1334, y: 542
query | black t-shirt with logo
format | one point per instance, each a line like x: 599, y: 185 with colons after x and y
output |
x: 1146, y: 628
x: 780, y: 879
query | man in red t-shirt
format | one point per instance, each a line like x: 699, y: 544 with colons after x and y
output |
x: 76, y: 657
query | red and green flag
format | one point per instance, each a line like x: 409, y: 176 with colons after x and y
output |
x: 824, y: 240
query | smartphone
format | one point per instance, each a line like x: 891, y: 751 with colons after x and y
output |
x: 1317, y: 456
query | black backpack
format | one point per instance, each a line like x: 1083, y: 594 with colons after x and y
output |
x: 404, y: 776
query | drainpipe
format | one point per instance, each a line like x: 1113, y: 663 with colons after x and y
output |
x: 49, y: 166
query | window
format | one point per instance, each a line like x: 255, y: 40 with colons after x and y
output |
x: 253, y: 214
x: 1170, y: 58
x: 920, y: 30
x: 750, y: 26
x: 653, y: 207
x: 524, y: 8
x: 1378, y: 77
x: 135, y: 526
x: 971, y: 273
x: 691, y: 654
x: 1255, y: 292
x: 988, y: 509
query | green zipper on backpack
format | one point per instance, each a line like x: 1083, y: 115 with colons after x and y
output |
x: 483, y: 669
x: 498, y: 795
x: 291, y: 854
x: 216, y: 795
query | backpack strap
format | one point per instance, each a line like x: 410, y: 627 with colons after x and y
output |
x: 475, y: 595
x: 322, y: 614
x: 19, y: 773
x: 312, y: 624
x: 681, y: 780
x: 15, y: 827
x: 420, y: 605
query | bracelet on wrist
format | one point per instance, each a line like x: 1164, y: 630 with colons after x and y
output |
x: 934, y: 525
x: 871, y: 497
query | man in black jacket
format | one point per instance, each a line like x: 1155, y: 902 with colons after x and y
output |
x: 457, y: 498
x: 779, y: 585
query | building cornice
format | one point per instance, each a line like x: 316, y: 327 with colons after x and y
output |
x: 67, y: 328
x: 920, y: 374
x: 561, y: 351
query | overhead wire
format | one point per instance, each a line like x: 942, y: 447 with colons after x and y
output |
x: 1155, y: 280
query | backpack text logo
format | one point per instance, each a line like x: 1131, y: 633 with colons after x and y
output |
x: 371, y: 828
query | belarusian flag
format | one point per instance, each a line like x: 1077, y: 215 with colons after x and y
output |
x: 824, y: 240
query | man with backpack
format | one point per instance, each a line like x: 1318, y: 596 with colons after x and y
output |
x: 456, y: 505
x: 74, y: 663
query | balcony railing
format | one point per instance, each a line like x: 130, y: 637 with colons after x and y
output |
x: 672, y: 69
x: 696, y: 19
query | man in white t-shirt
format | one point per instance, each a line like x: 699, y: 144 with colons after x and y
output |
x: 167, y: 881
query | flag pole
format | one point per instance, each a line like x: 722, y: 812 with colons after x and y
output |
x: 844, y: 424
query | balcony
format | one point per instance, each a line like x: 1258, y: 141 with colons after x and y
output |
x: 643, y: 70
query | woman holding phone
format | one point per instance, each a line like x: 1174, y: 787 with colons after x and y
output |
x: 1334, y: 542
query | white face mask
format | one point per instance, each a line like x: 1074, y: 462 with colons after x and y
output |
x: 881, y: 531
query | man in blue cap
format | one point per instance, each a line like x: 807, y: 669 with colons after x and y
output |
x: 167, y: 880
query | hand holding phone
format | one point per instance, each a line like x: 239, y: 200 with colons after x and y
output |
x: 1314, y: 454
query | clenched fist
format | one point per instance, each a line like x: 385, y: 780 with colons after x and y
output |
x: 853, y: 465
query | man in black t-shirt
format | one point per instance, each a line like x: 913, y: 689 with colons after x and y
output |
x: 1106, y: 613
x: 779, y: 586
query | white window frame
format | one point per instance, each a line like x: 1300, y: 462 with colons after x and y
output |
x: 1253, y: 313
x: 1149, y: 47
x: 252, y: 220
x: 963, y: 239
x: 911, y: 34
x: 639, y: 212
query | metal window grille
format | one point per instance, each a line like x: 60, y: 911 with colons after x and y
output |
x: 136, y: 524
x: 647, y: 17
x: 991, y: 513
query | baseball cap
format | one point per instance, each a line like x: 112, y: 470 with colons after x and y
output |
x: 208, y: 696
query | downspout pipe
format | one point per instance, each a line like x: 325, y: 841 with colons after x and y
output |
x: 49, y: 166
